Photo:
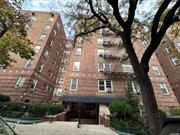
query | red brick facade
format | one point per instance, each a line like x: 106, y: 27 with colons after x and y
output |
x: 46, y: 32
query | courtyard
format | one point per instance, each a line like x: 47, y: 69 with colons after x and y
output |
x: 62, y: 128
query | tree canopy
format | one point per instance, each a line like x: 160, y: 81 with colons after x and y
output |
x: 125, y: 19
x: 13, y: 35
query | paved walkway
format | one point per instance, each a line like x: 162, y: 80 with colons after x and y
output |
x: 62, y: 128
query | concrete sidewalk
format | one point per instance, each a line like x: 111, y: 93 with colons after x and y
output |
x: 62, y: 128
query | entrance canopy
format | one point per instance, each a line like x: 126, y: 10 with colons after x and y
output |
x: 89, y: 99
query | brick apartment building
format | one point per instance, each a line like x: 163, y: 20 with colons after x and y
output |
x: 35, y: 79
x: 97, y: 71
x: 168, y: 55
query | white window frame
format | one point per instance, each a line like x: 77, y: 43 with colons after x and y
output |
x: 28, y: 64
x: 78, y: 51
x: 37, y: 48
x: 46, y: 88
x: 40, y: 67
x: 46, y: 53
x: 162, y: 85
x: 102, y: 69
x: 76, y: 66
x: 105, y: 86
x: 75, y: 84
x: 20, y: 81
x: 35, y: 81
x: 175, y: 61
x: 100, y: 52
x: 62, y: 69
x: 57, y: 91
x: 42, y: 37
x: 47, y: 27
x: 51, y: 43
x: 156, y: 70
x: 127, y: 68
x: 100, y: 41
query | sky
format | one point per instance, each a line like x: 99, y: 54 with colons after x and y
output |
x: 57, y: 6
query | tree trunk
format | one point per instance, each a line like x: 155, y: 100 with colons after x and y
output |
x: 148, y: 96
x: 150, y: 103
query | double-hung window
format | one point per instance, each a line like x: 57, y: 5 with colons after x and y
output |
x: 175, y: 61
x: 74, y: 84
x: 20, y: 81
x: 133, y: 86
x: 78, y: 51
x: 104, y: 67
x: 156, y: 70
x: 28, y: 64
x: 37, y: 48
x: 76, y: 66
x: 105, y: 85
x: 127, y: 68
x: 33, y: 84
x: 163, y: 88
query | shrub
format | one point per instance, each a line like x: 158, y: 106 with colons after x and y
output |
x: 121, y: 109
x: 4, y: 98
x: 30, y: 110
x: 175, y: 111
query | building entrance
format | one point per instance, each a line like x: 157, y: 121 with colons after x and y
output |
x: 86, y: 113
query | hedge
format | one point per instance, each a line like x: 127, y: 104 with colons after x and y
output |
x: 28, y: 110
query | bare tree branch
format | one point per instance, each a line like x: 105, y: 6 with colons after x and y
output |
x: 87, y: 32
x: 158, y: 15
x: 156, y: 39
x: 116, y: 13
x: 131, y: 13
x: 94, y: 12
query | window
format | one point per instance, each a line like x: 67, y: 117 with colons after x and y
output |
x: 46, y: 88
x: 50, y: 74
x: 33, y: 84
x: 156, y: 70
x: 40, y: 67
x: 64, y: 61
x: 37, y: 48
x: 42, y: 37
x: 20, y: 82
x: 100, y: 52
x: 62, y: 69
x: 76, y: 66
x: 47, y: 27
x: 66, y: 53
x: 33, y: 18
x: 177, y: 45
x: 100, y: 41
x: 163, y: 88
x: 168, y: 49
x: 58, y: 26
x: 51, y: 43
x: 51, y: 19
x: 74, y: 83
x: 78, y: 51
x: 57, y: 91
x: 175, y: 61
x: 104, y: 67
x: 60, y: 80
x: 46, y: 54
x: 105, y: 85
x: 133, y: 86
x: 54, y: 33
x: 127, y: 68
x: 28, y: 64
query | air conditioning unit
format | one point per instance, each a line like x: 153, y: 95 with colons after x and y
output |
x: 109, y: 90
x: 101, y: 70
x: 18, y: 86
